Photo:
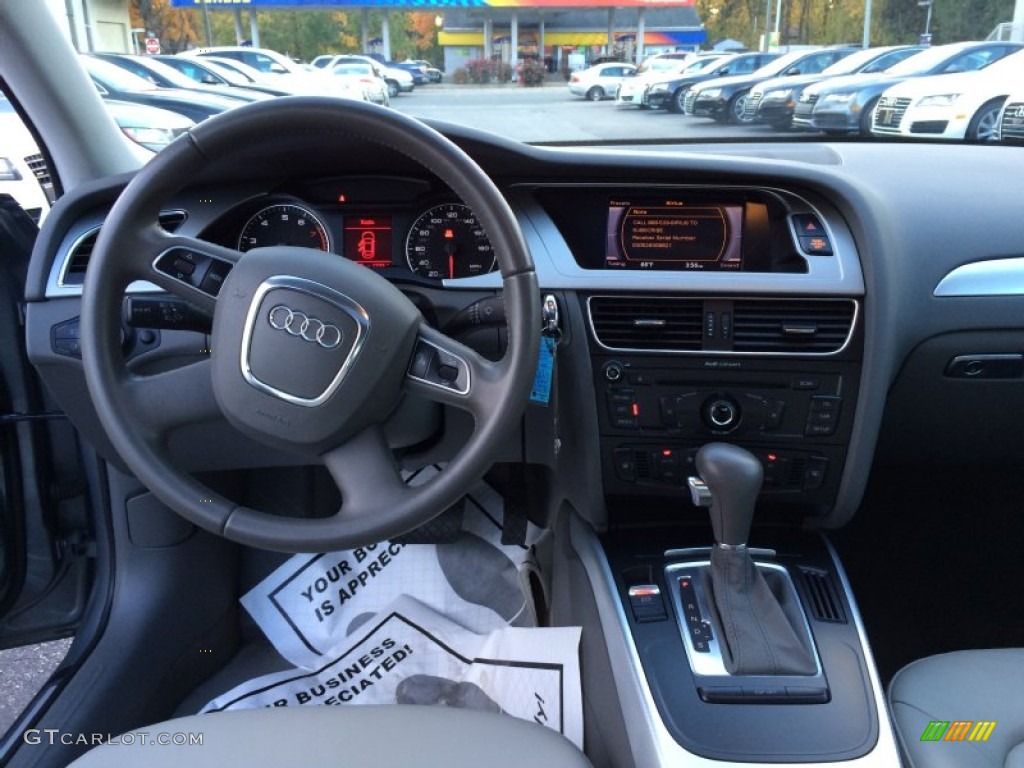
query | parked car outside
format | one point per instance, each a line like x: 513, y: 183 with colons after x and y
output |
x: 961, y: 107
x: 631, y: 91
x: 116, y: 83
x: 362, y: 76
x: 1010, y: 125
x: 670, y: 94
x: 398, y: 80
x: 19, y: 159
x: 774, y: 101
x: 434, y: 75
x: 417, y: 70
x: 150, y: 127
x: 725, y: 100
x: 844, y: 105
x: 600, y: 81
x: 277, y: 68
x: 163, y: 76
x: 209, y: 72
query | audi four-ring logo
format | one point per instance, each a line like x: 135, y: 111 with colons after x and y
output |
x: 305, y: 327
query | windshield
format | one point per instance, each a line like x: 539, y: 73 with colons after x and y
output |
x: 920, y: 63
x: 779, y: 65
x: 852, y: 63
x: 568, y: 74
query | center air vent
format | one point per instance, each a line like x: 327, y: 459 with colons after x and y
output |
x: 798, y: 325
x: 722, y: 326
x: 647, y: 323
x: 81, y: 250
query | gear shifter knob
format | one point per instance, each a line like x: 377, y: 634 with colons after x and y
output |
x: 733, y: 475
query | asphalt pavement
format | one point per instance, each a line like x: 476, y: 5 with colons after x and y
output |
x: 23, y: 671
x: 551, y: 113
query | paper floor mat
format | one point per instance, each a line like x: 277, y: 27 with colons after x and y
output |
x: 417, y: 623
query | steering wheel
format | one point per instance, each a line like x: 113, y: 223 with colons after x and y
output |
x: 310, y: 352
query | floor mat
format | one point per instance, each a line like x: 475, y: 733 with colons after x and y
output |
x: 451, y: 623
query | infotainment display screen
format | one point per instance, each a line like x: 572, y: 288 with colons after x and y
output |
x: 673, y: 234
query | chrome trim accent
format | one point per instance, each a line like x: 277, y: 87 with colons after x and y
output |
x: 728, y: 353
x: 446, y: 388
x: 992, y: 277
x: 56, y: 285
x: 706, y: 552
x: 649, y: 741
x: 712, y: 664
x: 347, y: 305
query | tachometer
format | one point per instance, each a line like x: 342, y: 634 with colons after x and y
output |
x: 284, y: 224
x: 447, y: 242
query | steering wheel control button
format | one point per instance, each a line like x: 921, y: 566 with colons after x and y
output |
x: 193, y: 268
x: 298, y: 343
x: 436, y: 366
x: 215, y: 275
x: 64, y: 339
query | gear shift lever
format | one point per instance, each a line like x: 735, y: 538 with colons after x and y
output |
x: 733, y: 476
x: 759, y: 638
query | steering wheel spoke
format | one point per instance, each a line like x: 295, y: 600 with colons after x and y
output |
x: 447, y: 371
x: 365, y: 472
x: 172, y: 398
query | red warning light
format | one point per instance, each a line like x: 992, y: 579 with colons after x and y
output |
x: 772, y: 457
x: 666, y: 453
x: 811, y: 226
x: 449, y: 234
x: 635, y: 409
x: 342, y: 198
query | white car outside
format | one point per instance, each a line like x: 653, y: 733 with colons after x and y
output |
x: 959, y: 107
x: 277, y: 69
x: 360, y: 75
x: 17, y: 150
x: 600, y: 81
x: 631, y: 91
x: 1011, y: 118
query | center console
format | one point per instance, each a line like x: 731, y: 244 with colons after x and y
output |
x: 723, y: 316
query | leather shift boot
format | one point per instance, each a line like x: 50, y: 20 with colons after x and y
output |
x: 758, y: 637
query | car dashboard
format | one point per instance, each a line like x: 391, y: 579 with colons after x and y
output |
x: 822, y: 305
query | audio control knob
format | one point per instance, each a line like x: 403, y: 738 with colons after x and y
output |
x: 613, y: 371
x: 721, y: 413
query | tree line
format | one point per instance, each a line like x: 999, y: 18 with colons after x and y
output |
x: 826, y: 22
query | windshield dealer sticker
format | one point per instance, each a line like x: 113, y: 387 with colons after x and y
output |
x: 410, y: 654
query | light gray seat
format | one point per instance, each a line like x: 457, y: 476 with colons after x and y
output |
x: 328, y: 737
x: 984, y: 685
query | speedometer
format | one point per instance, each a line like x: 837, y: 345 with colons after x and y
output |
x: 284, y: 224
x: 448, y: 242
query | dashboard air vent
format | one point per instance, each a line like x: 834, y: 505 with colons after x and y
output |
x: 792, y: 326
x: 821, y: 596
x: 81, y: 251
x: 647, y: 323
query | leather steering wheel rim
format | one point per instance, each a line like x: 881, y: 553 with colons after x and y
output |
x: 138, y: 412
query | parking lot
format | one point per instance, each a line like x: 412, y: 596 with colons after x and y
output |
x: 551, y: 113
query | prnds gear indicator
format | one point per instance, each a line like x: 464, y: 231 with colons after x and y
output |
x: 674, y: 235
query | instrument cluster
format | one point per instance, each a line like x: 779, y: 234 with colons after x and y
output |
x: 435, y: 237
